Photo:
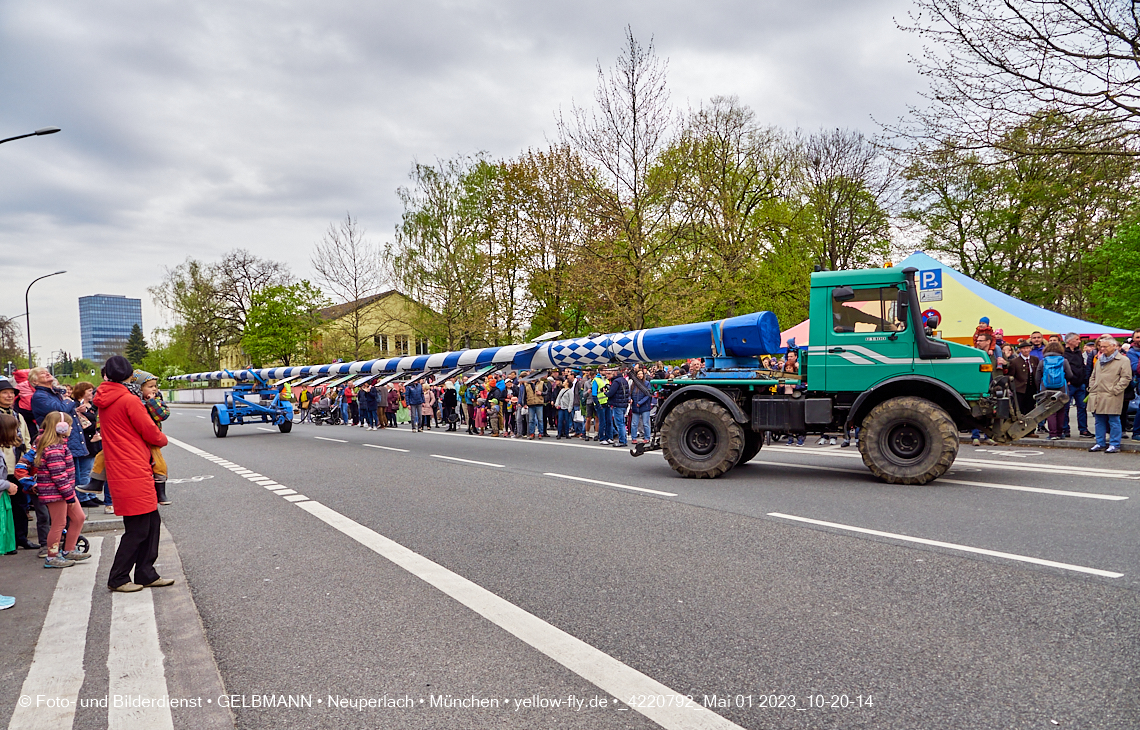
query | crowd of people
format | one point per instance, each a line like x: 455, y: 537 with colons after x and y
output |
x: 63, y: 446
x: 1099, y: 375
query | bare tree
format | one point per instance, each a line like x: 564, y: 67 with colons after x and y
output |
x: 349, y: 267
x: 238, y: 276
x: 622, y: 139
x: 993, y: 64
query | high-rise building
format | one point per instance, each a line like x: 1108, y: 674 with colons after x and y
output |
x: 105, y: 322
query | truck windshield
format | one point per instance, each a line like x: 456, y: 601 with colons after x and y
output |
x: 871, y: 310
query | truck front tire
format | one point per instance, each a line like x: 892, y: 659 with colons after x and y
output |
x: 700, y: 439
x: 908, y: 440
x: 753, y: 441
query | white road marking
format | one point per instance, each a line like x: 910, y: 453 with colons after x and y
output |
x: 254, y: 475
x: 952, y: 546
x: 608, y: 484
x: 262, y: 428
x: 339, y: 441
x: 467, y: 461
x: 271, y: 485
x: 387, y: 448
x: 283, y: 492
x: 57, y: 665
x: 199, y: 416
x: 135, y: 662
x: 296, y: 498
x: 549, y: 441
x: 609, y: 674
x: 945, y: 480
x: 594, y: 665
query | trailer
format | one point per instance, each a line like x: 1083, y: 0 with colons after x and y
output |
x: 252, y: 400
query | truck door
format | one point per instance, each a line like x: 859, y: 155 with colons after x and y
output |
x: 866, y: 341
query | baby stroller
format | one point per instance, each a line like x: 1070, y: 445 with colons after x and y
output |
x: 324, y: 411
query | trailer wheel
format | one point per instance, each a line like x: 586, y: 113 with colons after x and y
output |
x: 752, y: 443
x: 220, y: 429
x: 908, y: 440
x: 700, y: 439
x: 285, y: 426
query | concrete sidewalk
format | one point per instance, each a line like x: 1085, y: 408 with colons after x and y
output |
x: 1083, y: 444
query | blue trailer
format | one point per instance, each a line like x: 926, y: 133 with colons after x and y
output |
x: 251, y: 402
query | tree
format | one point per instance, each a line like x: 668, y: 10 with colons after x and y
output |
x: 281, y: 322
x: 1114, y: 298
x: 11, y: 349
x: 136, y: 349
x: 993, y: 64
x: 349, y: 266
x: 634, y: 263
x: 438, y: 256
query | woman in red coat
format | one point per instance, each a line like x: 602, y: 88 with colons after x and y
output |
x: 128, y: 433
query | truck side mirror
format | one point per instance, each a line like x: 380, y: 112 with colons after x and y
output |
x: 903, y: 305
x: 842, y: 293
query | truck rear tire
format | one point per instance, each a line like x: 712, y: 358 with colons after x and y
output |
x: 908, y: 440
x: 752, y: 443
x: 700, y: 439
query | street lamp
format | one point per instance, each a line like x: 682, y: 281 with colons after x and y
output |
x: 27, y: 319
x: 37, y: 133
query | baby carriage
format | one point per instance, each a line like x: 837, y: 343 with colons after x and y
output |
x: 324, y: 411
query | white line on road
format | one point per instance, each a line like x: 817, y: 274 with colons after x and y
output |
x: 611, y: 675
x: 296, y: 498
x: 263, y: 428
x: 199, y: 416
x: 57, y: 665
x: 386, y: 448
x: 608, y: 484
x: 467, y: 461
x: 952, y: 546
x: 944, y: 480
x: 135, y: 663
x: 339, y: 441
x: 283, y: 492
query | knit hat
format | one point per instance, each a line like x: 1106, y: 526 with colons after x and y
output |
x: 141, y: 377
x: 117, y: 369
x: 984, y: 320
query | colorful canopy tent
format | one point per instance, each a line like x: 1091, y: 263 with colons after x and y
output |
x: 961, y: 301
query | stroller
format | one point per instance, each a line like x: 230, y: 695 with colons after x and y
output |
x: 324, y: 411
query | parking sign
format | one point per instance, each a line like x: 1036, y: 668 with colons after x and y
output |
x: 931, y: 279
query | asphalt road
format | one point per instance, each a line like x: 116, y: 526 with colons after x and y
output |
x: 708, y: 592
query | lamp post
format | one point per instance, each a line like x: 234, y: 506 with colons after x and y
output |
x: 27, y: 319
x: 37, y: 133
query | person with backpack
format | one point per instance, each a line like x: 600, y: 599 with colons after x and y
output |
x: 1055, y: 374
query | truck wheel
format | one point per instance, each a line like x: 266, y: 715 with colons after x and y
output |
x: 700, y: 440
x: 752, y: 443
x: 285, y: 426
x: 220, y: 429
x: 908, y: 440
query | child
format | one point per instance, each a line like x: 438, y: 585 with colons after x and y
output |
x: 147, y: 391
x: 493, y: 412
x: 9, y: 438
x: 480, y: 417
x: 55, y: 484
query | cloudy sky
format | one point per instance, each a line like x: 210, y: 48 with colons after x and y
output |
x: 193, y: 128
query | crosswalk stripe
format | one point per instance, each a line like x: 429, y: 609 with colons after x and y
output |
x: 135, y: 663
x: 57, y: 666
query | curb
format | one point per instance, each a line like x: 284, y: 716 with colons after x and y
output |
x: 1126, y: 443
x: 103, y: 525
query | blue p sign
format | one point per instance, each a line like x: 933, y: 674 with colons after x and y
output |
x: 930, y: 279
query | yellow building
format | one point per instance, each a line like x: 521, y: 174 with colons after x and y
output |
x: 377, y: 326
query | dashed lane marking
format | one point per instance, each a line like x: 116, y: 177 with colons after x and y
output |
x: 952, y: 546
x: 386, y: 448
x: 324, y: 438
x: 608, y: 484
x: 468, y: 461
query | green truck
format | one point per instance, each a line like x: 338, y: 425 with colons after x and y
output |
x: 871, y: 366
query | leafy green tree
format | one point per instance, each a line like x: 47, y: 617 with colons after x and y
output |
x: 1114, y: 298
x: 281, y: 321
x: 136, y: 350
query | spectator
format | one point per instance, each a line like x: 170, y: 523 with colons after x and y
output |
x: 128, y: 433
x: 88, y: 416
x: 414, y: 397
x: 1023, y: 370
x: 22, y: 500
x: 1133, y: 355
x: 535, y: 400
x: 641, y: 404
x: 450, y: 401
x: 368, y: 406
x: 984, y: 342
x: 1037, y: 345
x: 304, y: 402
x: 1111, y: 375
x: 618, y: 395
x: 1055, y: 374
x: 55, y: 484
x: 1078, y: 385
x: 24, y: 402
x: 428, y: 408
x: 564, y: 405
x: 601, y: 407
x: 46, y: 399
x: 392, y: 405
x: 9, y: 439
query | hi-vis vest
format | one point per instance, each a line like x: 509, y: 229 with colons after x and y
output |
x: 601, y: 383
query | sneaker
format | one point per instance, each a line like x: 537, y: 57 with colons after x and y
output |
x: 833, y: 441
x: 822, y: 441
x: 1096, y: 447
x: 1136, y: 437
x: 75, y: 555
x: 1087, y: 435
x: 1054, y: 438
x: 126, y: 588
x: 43, y: 553
x: 160, y: 583
x: 7, y: 602
x: 845, y: 443
x: 58, y: 562
x: 1112, y: 450
x: 108, y: 510
x: 976, y: 442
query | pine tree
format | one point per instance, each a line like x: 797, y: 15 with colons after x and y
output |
x: 136, y: 350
